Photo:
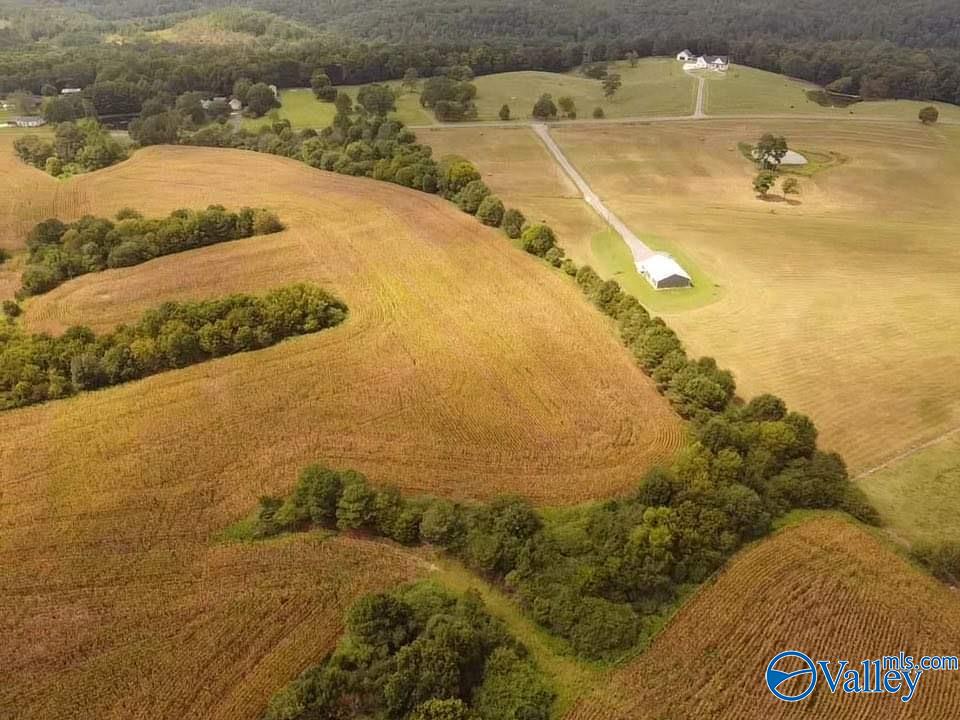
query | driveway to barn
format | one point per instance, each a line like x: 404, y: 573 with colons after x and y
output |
x: 637, y: 246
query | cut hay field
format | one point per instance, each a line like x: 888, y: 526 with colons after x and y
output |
x: 842, y: 304
x: 824, y: 587
x: 918, y: 496
x: 656, y: 86
x: 744, y: 90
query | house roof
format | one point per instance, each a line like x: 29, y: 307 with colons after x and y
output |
x: 659, y: 267
x: 685, y: 50
x: 714, y: 58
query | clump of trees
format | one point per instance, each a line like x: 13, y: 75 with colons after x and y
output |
x: 611, y: 83
x: 545, y: 108
x: 59, y: 251
x: 36, y: 368
x: 420, y: 653
x: 451, y: 96
x: 76, y: 147
x: 322, y: 87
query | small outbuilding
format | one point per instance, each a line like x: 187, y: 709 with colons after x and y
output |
x: 663, y: 272
x: 29, y: 121
x: 685, y: 56
x: 71, y: 91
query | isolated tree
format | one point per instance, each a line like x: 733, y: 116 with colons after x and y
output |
x: 261, y: 100
x: 505, y: 112
x: 410, y: 78
x: 771, y: 150
x: 632, y: 58
x: 929, y: 115
x: 764, y: 180
x: 377, y: 99
x: 544, y: 108
x: 568, y: 107
x: 598, y: 113
x: 611, y: 83
x: 791, y: 186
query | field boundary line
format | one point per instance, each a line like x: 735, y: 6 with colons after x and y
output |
x: 907, y: 453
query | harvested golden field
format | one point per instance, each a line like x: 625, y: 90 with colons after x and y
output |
x: 466, y: 367
x: 842, y: 303
x: 825, y: 587
x: 116, y: 605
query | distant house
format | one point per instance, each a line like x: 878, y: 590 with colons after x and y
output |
x: 71, y: 91
x: 663, y: 272
x: 720, y: 63
x: 685, y: 56
x: 29, y: 121
x: 273, y: 88
x: 235, y: 104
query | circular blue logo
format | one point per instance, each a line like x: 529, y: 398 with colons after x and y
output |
x: 776, y: 678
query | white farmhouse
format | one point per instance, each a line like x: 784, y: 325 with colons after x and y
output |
x: 719, y: 63
x: 685, y: 56
x: 662, y: 271
x: 29, y: 121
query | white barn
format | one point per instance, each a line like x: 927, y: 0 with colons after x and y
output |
x: 685, y: 56
x: 663, y: 272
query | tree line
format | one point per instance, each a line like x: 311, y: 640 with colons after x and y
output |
x: 419, y: 653
x: 59, y: 251
x: 922, y: 64
x: 37, y: 367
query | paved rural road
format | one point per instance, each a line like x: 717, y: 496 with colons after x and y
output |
x: 637, y: 246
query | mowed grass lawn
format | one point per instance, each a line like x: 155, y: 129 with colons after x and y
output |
x: 303, y: 110
x: 919, y: 497
x: 745, y: 90
x: 656, y: 86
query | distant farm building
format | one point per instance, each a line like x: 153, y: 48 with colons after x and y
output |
x: 719, y: 63
x: 30, y: 121
x: 236, y: 105
x: 663, y: 272
x: 70, y: 91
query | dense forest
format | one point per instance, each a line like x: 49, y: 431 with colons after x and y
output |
x: 875, y: 49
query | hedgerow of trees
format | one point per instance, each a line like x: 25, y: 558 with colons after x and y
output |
x: 420, y: 653
x: 35, y: 368
x: 59, y: 251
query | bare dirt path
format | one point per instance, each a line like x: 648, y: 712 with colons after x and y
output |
x: 637, y: 246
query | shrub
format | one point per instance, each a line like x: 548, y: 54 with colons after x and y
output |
x: 598, y: 113
x: 941, y: 559
x: 513, y: 221
x: 538, y: 239
x: 470, y: 197
x: 490, y: 212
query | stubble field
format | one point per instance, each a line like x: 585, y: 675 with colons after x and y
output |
x: 465, y: 368
x: 825, y: 587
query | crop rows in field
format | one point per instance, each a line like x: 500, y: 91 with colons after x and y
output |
x: 825, y: 587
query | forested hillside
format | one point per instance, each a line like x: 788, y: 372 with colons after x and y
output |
x: 880, y: 49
